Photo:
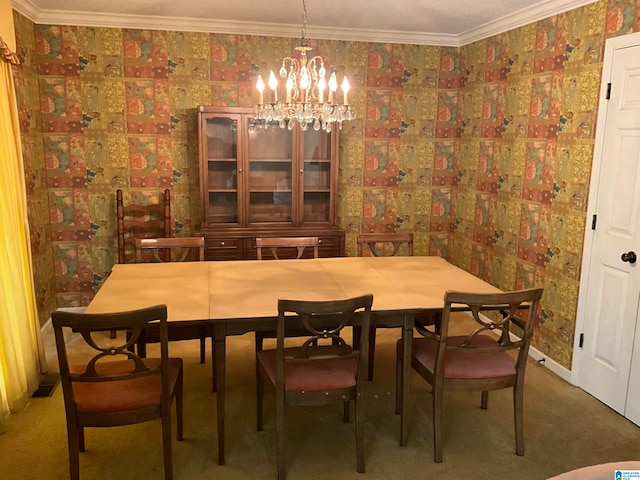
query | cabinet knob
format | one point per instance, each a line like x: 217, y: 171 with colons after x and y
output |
x: 301, y: 171
x: 222, y: 244
x: 239, y: 170
x: 319, y: 241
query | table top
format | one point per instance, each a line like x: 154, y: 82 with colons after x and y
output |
x: 249, y: 289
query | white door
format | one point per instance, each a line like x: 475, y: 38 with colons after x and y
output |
x: 612, y: 296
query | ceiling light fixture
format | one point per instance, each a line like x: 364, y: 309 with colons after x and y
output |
x: 309, y: 96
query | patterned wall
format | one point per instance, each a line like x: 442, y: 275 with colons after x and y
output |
x: 527, y: 108
x: 28, y: 96
x: 483, y: 151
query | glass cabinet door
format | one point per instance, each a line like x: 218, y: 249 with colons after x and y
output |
x: 317, y: 177
x: 221, y: 150
x: 270, y: 174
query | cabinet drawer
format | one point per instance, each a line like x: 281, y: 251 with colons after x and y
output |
x: 223, y: 249
x: 332, y: 241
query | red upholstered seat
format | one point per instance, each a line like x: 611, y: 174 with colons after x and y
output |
x: 123, y: 395
x: 316, y: 376
x: 470, y: 364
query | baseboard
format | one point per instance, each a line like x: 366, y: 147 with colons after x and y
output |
x: 551, y: 364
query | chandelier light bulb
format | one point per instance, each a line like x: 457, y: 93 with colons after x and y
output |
x: 345, y: 89
x: 273, y: 85
x: 260, y: 87
x: 289, y: 85
x: 322, y: 84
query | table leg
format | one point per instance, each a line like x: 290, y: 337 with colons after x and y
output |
x: 220, y: 353
x: 407, y: 334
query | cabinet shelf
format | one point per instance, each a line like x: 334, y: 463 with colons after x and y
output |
x: 270, y: 160
x: 268, y: 190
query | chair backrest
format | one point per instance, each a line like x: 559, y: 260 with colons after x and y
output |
x: 107, y: 364
x: 138, y: 220
x: 287, y: 243
x: 176, y: 249
x: 494, y: 313
x: 324, y: 322
x: 384, y: 244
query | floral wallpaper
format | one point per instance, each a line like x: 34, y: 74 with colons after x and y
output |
x: 483, y: 151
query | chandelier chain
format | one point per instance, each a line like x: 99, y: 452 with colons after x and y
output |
x: 304, y: 40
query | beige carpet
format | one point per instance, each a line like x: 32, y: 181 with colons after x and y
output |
x: 565, y: 428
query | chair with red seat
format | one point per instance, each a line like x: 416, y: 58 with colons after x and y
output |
x: 389, y: 245
x: 479, y: 361
x: 177, y: 249
x: 115, y: 386
x: 323, y: 370
x: 283, y: 248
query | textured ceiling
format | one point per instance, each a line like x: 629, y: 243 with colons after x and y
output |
x: 437, y: 22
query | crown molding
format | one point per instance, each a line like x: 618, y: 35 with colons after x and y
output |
x: 90, y: 19
x: 520, y: 18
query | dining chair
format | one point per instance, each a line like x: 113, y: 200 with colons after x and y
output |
x: 177, y: 249
x: 280, y: 247
x: 481, y: 360
x: 384, y: 244
x: 324, y: 369
x: 389, y: 245
x: 141, y: 220
x: 115, y: 386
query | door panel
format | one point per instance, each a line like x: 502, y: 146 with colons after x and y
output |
x: 613, y: 286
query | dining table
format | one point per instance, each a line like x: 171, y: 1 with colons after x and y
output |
x: 237, y: 297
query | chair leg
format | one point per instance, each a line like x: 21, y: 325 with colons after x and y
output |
x: 437, y: 424
x: 372, y: 352
x: 259, y: 341
x: 142, y: 345
x: 259, y: 399
x: 166, y: 446
x: 518, y: 414
x: 359, y: 433
x: 280, y: 437
x: 203, y: 348
x: 81, y: 438
x: 399, y: 370
x: 485, y: 400
x: 346, y: 407
x: 73, y: 439
x: 179, y: 399
x: 356, y: 337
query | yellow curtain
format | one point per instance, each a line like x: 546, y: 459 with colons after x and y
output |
x: 21, y: 355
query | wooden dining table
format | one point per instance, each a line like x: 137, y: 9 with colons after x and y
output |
x: 236, y: 297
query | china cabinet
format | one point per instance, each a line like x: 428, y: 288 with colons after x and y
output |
x: 261, y: 180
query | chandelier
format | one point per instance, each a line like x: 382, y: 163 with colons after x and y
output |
x: 309, y: 97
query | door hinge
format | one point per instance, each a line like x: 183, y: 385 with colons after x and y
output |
x: 608, y: 90
x: 581, y: 340
x: 593, y: 222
